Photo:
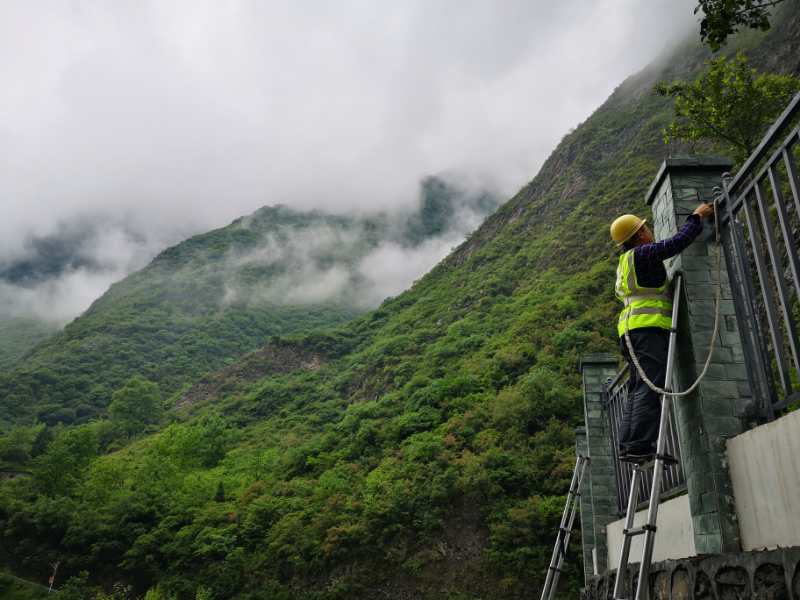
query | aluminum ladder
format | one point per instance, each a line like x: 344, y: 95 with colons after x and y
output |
x: 657, y: 464
x: 565, y: 528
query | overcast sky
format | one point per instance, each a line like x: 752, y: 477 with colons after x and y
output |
x: 178, y: 116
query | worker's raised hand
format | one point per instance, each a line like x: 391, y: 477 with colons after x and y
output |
x: 704, y: 211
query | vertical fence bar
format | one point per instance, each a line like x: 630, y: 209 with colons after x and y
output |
x: 675, y: 472
x: 777, y: 273
x: 786, y: 230
x: 758, y: 372
x: 791, y: 171
x: 756, y: 306
x: 616, y: 394
x: 748, y: 328
x: 613, y: 419
x: 769, y: 299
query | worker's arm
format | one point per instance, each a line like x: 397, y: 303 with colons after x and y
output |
x: 659, y: 251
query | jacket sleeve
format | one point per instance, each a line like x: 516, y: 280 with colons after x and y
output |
x: 659, y: 251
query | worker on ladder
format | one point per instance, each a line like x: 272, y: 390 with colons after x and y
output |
x: 643, y: 288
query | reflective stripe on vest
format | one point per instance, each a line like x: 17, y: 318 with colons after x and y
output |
x: 644, y: 307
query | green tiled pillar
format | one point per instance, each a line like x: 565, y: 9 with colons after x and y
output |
x: 714, y: 411
x: 599, y: 502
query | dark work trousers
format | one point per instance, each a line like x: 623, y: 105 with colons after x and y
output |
x: 641, y: 412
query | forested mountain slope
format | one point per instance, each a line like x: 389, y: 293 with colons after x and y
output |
x: 18, y: 336
x: 213, y: 297
x: 419, y: 451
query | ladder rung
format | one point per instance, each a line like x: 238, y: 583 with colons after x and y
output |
x: 639, y: 530
x: 668, y: 460
x: 555, y: 569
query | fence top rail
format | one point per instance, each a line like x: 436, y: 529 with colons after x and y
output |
x: 763, y: 173
x: 767, y: 142
x: 612, y: 384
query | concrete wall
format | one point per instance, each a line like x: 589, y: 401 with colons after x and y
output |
x: 770, y: 575
x: 674, y: 538
x: 765, y: 471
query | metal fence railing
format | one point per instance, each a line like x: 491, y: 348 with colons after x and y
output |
x: 615, y: 396
x: 761, y: 233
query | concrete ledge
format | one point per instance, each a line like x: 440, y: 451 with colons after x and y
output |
x: 768, y: 575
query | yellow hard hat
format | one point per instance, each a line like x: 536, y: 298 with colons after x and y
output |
x: 623, y: 228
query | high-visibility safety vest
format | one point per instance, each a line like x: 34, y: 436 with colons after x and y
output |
x: 644, y: 306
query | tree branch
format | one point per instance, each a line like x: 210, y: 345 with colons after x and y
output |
x: 757, y: 7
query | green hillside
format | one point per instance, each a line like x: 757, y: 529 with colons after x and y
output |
x: 20, y: 335
x: 211, y: 298
x: 12, y: 588
x: 420, y: 451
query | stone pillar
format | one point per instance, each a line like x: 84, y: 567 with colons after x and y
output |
x: 714, y: 412
x: 600, y: 486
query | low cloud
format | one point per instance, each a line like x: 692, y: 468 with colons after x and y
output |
x: 55, y: 277
x: 361, y: 281
x: 355, y: 260
x: 362, y: 260
x: 57, y: 300
x: 391, y: 268
x: 167, y: 119
x: 190, y: 113
x: 295, y: 268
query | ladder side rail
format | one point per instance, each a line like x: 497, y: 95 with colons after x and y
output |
x: 642, y: 586
x: 551, y: 570
x: 571, y: 521
x: 633, y: 500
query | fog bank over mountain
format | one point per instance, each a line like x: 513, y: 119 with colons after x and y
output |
x: 185, y: 115
x: 160, y: 120
x: 355, y: 260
